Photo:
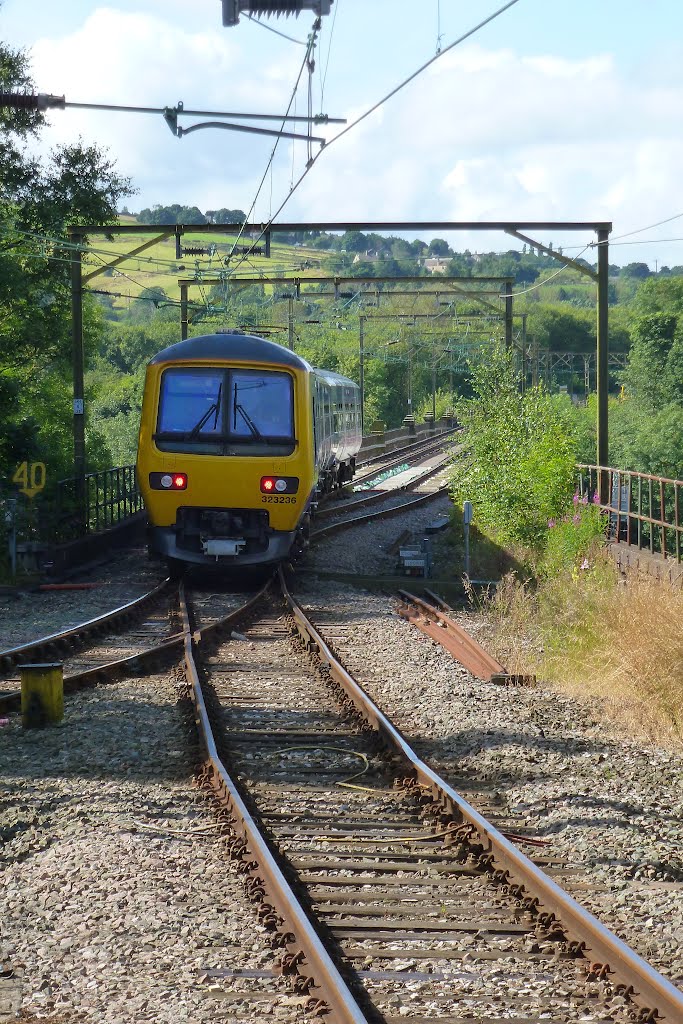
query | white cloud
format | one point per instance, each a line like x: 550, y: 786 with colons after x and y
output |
x: 485, y: 133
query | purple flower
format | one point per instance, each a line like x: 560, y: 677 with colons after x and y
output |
x: 584, y: 500
x: 576, y: 519
x: 596, y: 498
x: 575, y: 499
x: 551, y: 523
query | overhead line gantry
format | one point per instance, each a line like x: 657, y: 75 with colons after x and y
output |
x: 523, y: 230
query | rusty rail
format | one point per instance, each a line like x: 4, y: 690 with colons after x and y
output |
x: 67, y: 637
x: 370, y: 516
x: 642, y: 510
x: 507, y: 866
x: 457, y: 641
x: 297, y: 935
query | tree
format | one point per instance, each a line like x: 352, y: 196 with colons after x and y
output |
x: 439, y: 247
x: 354, y: 241
x: 655, y: 366
x: 639, y: 270
x: 39, y: 199
x: 516, y: 458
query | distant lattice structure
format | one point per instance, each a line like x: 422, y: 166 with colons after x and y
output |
x: 233, y: 8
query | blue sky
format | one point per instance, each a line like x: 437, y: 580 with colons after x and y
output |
x: 555, y: 111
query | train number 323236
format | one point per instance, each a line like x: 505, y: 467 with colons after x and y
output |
x: 281, y: 499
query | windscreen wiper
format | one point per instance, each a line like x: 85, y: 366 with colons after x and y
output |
x: 213, y: 410
x: 238, y: 408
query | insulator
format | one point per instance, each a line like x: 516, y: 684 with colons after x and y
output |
x: 233, y: 8
x: 30, y: 100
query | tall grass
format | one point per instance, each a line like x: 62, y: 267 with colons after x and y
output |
x: 590, y: 632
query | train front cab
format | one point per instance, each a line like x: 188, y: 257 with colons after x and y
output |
x: 224, y: 463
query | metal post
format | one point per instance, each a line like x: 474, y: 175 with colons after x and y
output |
x: 508, y: 315
x: 467, y: 513
x: 290, y: 322
x: 524, y: 352
x: 433, y: 382
x: 361, y: 346
x: 77, y: 348
x: 183, y: 312
x: 602, y: 362
x: 11, y: 523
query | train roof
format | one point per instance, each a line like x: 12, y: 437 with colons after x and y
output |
x: 232, y: 345
x: 330, y: 377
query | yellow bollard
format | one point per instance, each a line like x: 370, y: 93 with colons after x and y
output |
x: 42, y: 695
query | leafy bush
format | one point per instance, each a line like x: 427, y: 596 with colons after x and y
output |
x: 572, y: 539
x: 516, y: 463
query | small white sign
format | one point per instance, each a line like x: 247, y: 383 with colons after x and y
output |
x: 78, y: 407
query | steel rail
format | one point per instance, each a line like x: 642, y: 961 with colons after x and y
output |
x: 395, y: 510
x: 11, y: 656
x: 374, y: 497
x: 10, y: 700
x: 297, y: 932
x: 416, y: 445
x: 457, y: 641
x: 605, y: 952
x: 402, y: 456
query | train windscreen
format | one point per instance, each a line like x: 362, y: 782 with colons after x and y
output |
x: 225, y: 411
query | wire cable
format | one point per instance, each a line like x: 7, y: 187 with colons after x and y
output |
x: 376, y: 106
x: 307, y: 56
x: 329, y: 49
x: 257, y: 21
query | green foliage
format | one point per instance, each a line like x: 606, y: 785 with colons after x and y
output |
x: 646, y: 440
x: 654, y: 375
x: 75, y: 184
x: 443, y: 400
x: 517, y: 459
x: 174, y: 214
x: 571, y: 539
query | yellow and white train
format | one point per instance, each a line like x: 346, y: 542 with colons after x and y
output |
x: 238, y: 438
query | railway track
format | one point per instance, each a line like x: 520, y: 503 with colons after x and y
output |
x: 378, y: 464
x: 129, y: 638
x: 395, y: 497
x: 390, y: 900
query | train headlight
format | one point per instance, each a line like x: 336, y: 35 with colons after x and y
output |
x: 279, y: 484
x: 168, y: 481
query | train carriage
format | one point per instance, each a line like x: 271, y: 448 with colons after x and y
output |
x: 238, y: 438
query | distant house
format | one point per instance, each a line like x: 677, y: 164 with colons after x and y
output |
x: 436, y: 264
x: 366, y: 257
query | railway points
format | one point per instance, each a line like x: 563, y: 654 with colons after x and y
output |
x: 426, y: 951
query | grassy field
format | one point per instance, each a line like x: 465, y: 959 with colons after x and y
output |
x: 158, y: 267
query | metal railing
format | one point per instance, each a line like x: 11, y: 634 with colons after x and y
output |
x: 93, y: 503
x: 642, y: 510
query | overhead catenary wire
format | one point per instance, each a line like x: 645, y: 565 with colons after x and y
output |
x: 257, y: 21
x: 376, y: 106
x: 329, y: 50
x: 304, y: 64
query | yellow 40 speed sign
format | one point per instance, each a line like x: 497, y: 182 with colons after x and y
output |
x: 31, y: 478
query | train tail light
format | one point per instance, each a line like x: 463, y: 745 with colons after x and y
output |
x: 168, y: 481
x: 279, y: 484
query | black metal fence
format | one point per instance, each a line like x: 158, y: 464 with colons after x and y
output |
x: 642, y: 510
x: 93, y: 504
x: 73, y: 509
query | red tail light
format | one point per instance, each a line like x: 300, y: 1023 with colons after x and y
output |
x: 168, y: 481
x: 279, y: 484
